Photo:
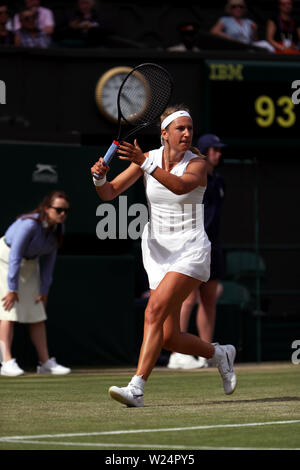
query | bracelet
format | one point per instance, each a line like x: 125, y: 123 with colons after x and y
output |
x: 149, y: 166
x: 99, y: 182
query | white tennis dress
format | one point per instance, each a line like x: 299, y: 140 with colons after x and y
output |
x: 174, y: 239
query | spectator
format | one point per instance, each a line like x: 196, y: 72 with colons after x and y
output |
x: 283, y: 31
x: 6, y: 36
x: 44, y: 20
x: 209, y: 292
x: 85, y: 26
x: 27, y: 258
x: 188, y: 32
x: 29, y: 35
x: 236, y: 27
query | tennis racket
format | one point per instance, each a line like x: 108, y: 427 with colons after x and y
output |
x: 143, y: 96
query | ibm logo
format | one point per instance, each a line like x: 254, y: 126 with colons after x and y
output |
x: 2, y: 92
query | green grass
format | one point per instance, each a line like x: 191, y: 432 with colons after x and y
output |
x: 79, y: 403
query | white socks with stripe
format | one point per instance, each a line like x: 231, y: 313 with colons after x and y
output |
x: 138, y: 381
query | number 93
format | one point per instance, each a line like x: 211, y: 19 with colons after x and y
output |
x: 266, y: 109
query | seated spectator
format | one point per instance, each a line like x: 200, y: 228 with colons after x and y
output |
x: 283, y: 31
x: 188, y: 32
x: 29, y: 35
x: 84, y: 25
x: 235, y: 26
x: 44, y: 20
x: 6, y: 36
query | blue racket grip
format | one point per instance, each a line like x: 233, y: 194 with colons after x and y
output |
x: 109, y: 154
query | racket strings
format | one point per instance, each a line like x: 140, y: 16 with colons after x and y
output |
x: 145, y: 94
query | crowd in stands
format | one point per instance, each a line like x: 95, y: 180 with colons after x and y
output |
x: 85, y: 26
x: 235, y: 25
x: 282, y: 30
x: 35, y: 26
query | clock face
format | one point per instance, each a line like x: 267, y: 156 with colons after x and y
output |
x: 133, y: 97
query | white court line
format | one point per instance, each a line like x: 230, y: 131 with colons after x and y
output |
x: 138, y: 431
x: 142, y: 446
x: 97, y: 444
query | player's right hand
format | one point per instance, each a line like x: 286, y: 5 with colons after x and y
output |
x: 9, y: 299
x: 99, y: 168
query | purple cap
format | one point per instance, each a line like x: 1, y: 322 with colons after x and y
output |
x: 209, y: 140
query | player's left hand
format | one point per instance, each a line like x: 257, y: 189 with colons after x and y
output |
x: 131, y: 152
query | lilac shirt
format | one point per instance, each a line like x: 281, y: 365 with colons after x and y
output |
x: 29, y: 239
x: 45, y: 18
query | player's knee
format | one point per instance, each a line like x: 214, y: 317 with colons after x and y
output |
x: 154, y: 313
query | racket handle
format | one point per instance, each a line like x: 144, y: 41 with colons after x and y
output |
x: 109, y: 154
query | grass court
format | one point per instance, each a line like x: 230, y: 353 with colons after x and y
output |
x: 184, y: 410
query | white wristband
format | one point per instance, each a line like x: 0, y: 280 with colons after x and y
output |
x: 149, y: 166
x: 99, y: 182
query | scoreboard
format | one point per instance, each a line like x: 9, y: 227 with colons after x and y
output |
x: 253, y: 103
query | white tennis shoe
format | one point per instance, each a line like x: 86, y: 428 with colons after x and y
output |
x: 224, y: 358
x: 184, y: 361
x: 51, y: 367
x: 11, y: 369
x: 131, y: 396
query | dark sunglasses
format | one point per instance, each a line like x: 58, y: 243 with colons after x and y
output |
x: 59, y: 210
x: 237, y: 6
x: 4, y: 12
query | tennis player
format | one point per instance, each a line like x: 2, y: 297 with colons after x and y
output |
x: 176, y: 250
x: 27, y: 257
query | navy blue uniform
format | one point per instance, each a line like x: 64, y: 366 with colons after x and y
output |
x: 213, y: 201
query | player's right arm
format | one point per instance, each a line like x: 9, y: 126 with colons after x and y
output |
x: 112, y: 189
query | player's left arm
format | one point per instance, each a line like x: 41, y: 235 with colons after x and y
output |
x: 194, y: 176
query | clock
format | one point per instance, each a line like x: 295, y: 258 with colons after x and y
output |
x: 135, y: 94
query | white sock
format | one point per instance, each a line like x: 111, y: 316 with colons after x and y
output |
x: 138, y: 381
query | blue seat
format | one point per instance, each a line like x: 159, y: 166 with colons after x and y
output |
x: 234, y: 294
